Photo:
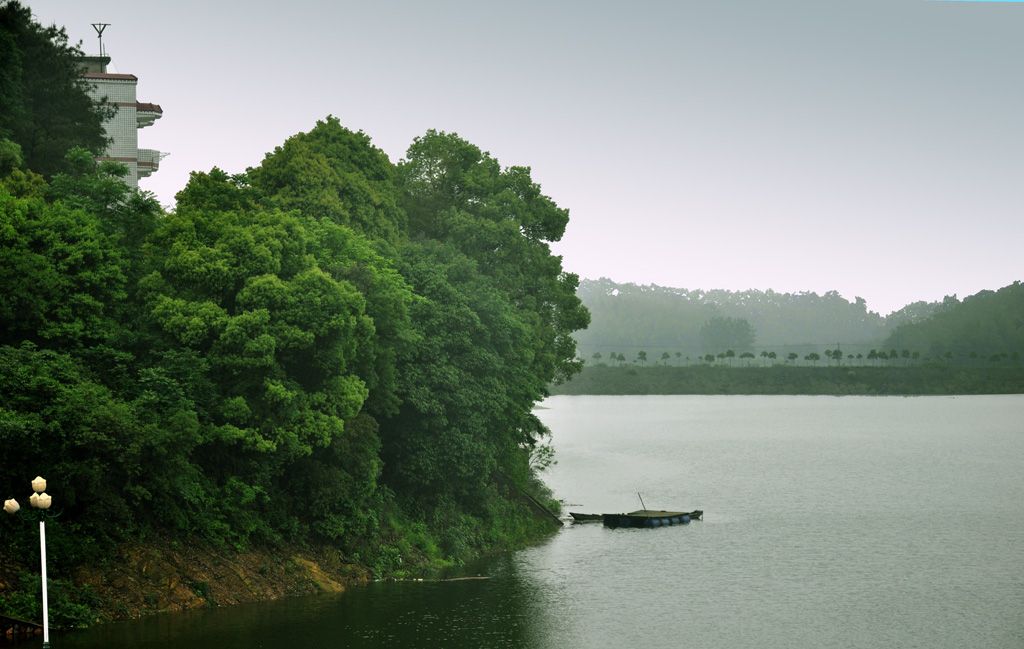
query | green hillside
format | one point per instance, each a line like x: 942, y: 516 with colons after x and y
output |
x: 329, y: 349
x: 633, y: 324
x: 627, y: 318
x: 988, y: 324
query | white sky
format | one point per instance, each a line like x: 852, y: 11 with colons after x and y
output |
x: 873, y: 147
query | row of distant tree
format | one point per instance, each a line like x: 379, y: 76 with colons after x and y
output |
x: 628, y: 318
x: 788, y: 379
x: 874, y: 358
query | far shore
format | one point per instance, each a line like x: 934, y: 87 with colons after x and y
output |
x: 781, y: 379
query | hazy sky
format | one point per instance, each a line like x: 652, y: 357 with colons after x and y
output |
x: 873, y: 147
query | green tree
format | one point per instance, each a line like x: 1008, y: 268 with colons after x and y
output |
x: 73, y: 390
x: 467, y: 385
x: 283, y: 338
x: 10, y: 157
x: 63, y: 274
x: 44, y: 104
x: 56, y: 419
x: 455, y: 193
x: 332, y: 173
x: 259, y: 363
x: 727, y: 332
x: 988, y: 322
x: 351, y: 259
x: 813, y: 357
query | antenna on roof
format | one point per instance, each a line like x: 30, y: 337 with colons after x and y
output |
x: 99, y: 27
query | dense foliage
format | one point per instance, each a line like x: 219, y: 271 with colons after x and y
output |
x: 286, y: 355
x: 328, y: 347
x: 970, y: 347
x: 44, y: 109
x: 727, y: 333
x: 986, y: 324
x: 628, y: 319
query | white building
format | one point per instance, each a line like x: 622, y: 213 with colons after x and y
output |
x: 119, y: 90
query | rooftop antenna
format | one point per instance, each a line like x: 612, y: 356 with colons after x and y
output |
x: 99, y: 27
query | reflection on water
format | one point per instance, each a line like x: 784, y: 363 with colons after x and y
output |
x: 404, y: 614
x: 876, y: 522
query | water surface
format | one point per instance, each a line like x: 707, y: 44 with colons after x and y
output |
x: 829, y: 522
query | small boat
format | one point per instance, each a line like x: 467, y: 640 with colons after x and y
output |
x: 586, y: 518
x: 651, y: 518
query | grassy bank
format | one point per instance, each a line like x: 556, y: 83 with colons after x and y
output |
x: 920, y: 380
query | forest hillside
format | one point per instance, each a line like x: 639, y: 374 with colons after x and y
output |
x: 328, y: 350
x: 681, y: 326
x: 987, y: 324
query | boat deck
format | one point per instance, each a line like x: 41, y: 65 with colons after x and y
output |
x: 652, y: 513
x: 651, y: 518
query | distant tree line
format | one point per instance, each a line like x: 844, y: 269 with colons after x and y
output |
x: 833, y: 357
x: 991, y: 378
x: 629, y: 317
x: 688, y: 326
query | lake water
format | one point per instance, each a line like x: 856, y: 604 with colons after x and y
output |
x: 829, y: 522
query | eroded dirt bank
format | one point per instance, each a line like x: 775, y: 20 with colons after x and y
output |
x: 164, y: 576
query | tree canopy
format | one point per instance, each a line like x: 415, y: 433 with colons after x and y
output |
x: 44, y: 105
x: 455, y: 193
x: 332, y: 173
x: 989, y: 322
x: 284, y: 339
x: 633, y: 317
x: 727, y: 333
x: 314, y: 348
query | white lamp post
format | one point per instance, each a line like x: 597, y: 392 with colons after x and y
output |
x: 41, y: 501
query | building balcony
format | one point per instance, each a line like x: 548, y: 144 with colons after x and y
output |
x: 149, y: 161
x: 146, y: 114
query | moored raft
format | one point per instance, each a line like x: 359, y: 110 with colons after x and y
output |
x: 651, y: 518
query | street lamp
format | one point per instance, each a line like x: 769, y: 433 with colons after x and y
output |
x: 40, y: 502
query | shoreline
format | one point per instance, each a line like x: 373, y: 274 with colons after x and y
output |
x: 856, y: 380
